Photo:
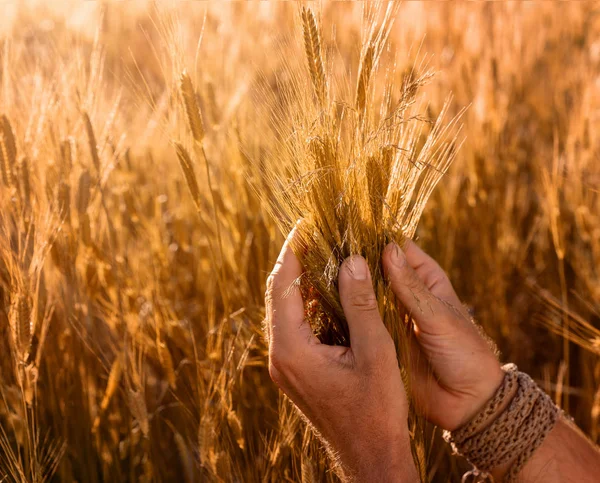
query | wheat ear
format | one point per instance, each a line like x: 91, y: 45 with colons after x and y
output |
x: 25, y: 181
x: 8, y: 152
x: 364, y: 77
x: 114, y: 378
x: 166, y: 361
x: 312, y: 45
x: 188, y: 171
x: 92, y: 141
x: 191, y: 107
x: 21, y: 324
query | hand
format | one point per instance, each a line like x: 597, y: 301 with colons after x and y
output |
x: 454, y: 370
x: 353, y: 396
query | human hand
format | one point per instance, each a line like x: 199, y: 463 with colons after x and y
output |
x: 454, y: 371
x: 353, y: 396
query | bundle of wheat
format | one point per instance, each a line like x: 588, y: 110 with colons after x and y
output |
x: 358, y: 173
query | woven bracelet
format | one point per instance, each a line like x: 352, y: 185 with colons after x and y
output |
x: 492, y: 438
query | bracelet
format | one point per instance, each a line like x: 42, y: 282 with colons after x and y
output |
x: 495, y: 437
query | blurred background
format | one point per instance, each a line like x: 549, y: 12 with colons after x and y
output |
x: 132, y: 352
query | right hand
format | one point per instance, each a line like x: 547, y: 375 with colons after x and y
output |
x: 353, y: 396
x: 454, y: 370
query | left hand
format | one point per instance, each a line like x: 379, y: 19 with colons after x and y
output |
x: 454, y: 370
x: 353, y: 396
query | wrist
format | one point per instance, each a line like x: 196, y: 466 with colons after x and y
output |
x: 392, y: 464
x: 502, y: 438
x: 481, y: 396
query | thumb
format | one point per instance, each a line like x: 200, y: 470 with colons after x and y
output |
x: 357, y: 296
x: 431, y: 314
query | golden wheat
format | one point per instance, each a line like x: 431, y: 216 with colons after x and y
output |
x: 134, y: 351
x: 191, y: 108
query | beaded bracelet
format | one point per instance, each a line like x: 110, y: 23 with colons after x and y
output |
x: 495, y: 437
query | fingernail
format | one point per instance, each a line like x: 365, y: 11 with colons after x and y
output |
x: 398, y: 257
x: 357, y: 266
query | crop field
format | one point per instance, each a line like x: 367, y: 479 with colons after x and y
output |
x: 153, y: 157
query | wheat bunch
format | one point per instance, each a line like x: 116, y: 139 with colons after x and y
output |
x: 359, y: 179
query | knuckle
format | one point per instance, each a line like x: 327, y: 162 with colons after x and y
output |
x: 413, y: 284
x: 275, y: 375
x: 270, y: 286
x: 384, y: 356
x: 438, y: 278
x: 277, y: 368
x: 282, y: 361
x: 274, y: 288
x: 363, y: 300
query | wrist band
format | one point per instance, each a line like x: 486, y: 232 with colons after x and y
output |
x: 495, y: 437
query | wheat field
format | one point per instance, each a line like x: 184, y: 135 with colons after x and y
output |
x: 153, y: 156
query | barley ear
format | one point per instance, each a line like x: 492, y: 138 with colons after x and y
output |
x: 191, y: 107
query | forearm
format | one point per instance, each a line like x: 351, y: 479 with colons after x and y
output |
x: 565, y: 455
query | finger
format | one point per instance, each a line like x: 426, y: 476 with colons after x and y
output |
x: 431, y: 314
x: 432, y: 275
x: 286, y: 324
x: 360, y: 307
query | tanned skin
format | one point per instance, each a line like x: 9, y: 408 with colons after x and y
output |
x: 354, y: 396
